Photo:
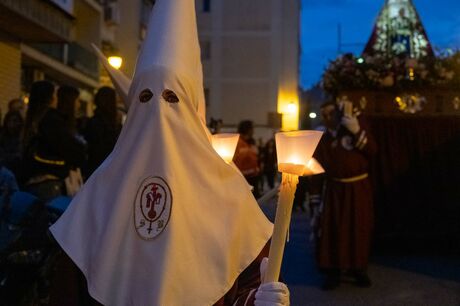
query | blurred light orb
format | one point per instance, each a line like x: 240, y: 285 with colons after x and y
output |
x: 115, y: 61
x: 292, y: 108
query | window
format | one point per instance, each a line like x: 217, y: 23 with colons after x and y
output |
x: 206, y: 6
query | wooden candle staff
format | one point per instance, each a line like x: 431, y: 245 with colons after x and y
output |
x: 294, y: 152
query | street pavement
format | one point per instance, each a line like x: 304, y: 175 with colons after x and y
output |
x: 398, y: 279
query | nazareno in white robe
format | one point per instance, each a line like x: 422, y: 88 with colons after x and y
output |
x: 164, y: 220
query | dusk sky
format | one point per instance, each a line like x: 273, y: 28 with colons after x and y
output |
x: 320, y: 18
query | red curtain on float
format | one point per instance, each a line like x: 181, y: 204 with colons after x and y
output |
x: 416, y: 176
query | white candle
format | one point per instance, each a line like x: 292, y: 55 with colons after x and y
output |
x: 294, y: 151
x: 225, y: 145
x: 280, y: 230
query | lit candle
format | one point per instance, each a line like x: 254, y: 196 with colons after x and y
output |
x: 225, y: 145
x: 313, y: 167
x: 294, y: 151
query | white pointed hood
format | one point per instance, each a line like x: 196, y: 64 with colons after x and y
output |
x: 164, y: 220
x: 121, y: 82
x: 174, y: 37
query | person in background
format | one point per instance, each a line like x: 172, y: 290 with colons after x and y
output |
x: 344, y: 222
x: 52, y: 149
x: 42, y: 97
x: 300, y: 194
x: 8, y: 186
x: 10, y: 141
x: 10, y: 158
x: 270, y: 162
x: 215, y: 125
x: 102, y: 129
x: 247, y: 156
x: 17, y: 105
x: 67, y: 106
x: 261, y: 153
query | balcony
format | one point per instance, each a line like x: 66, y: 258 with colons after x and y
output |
x: 83, y: 60
x: 35, y: 21
x: 72, y: 55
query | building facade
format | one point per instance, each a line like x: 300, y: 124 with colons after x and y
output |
x: 250, y: 51
x: 250, y: 55
x: 124, y: 30
x: 48, y: 40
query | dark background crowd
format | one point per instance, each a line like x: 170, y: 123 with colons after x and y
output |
x: 39, y: 146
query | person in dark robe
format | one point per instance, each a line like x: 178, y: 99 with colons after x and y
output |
x: 165, y: 143
x: 343, y: 222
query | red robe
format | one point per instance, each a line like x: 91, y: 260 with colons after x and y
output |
x: 68, y: 285
x: 246, y: 158
x: 346, y: 218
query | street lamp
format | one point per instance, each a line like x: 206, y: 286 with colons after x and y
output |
x: 292, y: 108
x: 115, y: 61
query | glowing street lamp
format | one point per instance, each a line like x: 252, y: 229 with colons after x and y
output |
x: 294, y: 152
x: 225, y: 145
x: 292, y: 108
x: 115, y: 61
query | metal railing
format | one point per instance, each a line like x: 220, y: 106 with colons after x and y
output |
x: 43, y: 14
x: 83, y: 60
x: 73, y: 55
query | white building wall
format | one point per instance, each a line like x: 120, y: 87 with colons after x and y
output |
x: 253, y: 63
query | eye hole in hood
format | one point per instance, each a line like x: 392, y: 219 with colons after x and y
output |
x: 145, y: 95
x: 170, y: 96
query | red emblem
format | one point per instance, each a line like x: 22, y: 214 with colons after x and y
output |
x: 152, y: 207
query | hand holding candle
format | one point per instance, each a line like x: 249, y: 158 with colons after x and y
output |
x: 294, y: 151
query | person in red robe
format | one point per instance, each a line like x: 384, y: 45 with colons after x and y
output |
x: 342, y: 198
x: 247, y: 155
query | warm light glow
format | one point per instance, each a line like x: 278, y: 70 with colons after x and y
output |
x: 411, y: 74
x: 295, y: 149
x: 26, y: 100
x: 312, y: 115
x: 292, y: 108
x: 313, y: 167
x: 115, y: 61
x: 288, y: 106
x: 225, y: 145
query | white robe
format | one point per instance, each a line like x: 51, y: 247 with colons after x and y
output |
x: 215, y: 228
